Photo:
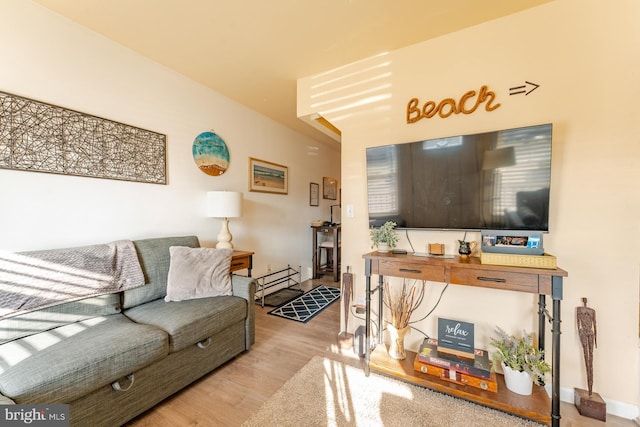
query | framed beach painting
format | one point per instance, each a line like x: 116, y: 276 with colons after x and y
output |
x: 267, y: 177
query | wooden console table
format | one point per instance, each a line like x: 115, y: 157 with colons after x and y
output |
x: 470, y: 272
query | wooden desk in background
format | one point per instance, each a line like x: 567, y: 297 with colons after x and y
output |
x: 334, y: 231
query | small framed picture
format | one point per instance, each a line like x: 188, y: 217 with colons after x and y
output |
x: 267, y: 177
x: 314, y: 194
x: 329, y: 188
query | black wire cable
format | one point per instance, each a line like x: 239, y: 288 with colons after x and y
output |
x: 434, y: 307
x: 416, y: 329
x: 356, y: 316
x: 378, y: 329
x: 373, y: 313
x: 406, y: 232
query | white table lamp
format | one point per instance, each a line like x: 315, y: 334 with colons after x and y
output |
x: 225, y: 205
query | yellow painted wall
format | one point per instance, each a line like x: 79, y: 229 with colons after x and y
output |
x: 585, y: 55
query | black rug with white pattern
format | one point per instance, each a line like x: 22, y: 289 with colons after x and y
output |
x: 308, y: 305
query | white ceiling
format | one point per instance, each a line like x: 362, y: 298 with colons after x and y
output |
x: 254, y: 51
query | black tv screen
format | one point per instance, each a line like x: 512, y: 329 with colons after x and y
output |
x: 486, y: 181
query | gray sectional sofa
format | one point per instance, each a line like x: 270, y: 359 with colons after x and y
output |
x: 111, y: 357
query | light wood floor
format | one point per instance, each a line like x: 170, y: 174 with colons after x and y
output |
x: 230, y: 394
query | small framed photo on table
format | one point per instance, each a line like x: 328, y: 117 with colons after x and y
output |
x: 329, y: 188
x: 314, y: 194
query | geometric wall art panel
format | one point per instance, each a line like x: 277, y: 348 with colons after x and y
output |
x: 40, y: 137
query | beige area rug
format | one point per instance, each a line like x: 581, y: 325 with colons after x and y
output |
x: 329, y: 393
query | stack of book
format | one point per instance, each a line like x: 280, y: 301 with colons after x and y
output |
x: 471, y: 370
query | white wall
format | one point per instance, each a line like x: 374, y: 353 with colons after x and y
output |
x: 585, y: 56
x: 50, y: 59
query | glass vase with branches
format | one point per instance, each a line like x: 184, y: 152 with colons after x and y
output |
x: 403, y: 300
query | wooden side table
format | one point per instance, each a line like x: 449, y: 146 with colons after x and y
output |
x: 241, y: 260
x: 334, y: 269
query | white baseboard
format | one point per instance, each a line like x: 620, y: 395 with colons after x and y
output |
x: 614, y: 407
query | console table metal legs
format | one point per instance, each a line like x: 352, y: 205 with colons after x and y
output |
x: 367, y: 326
x: 556, y: 294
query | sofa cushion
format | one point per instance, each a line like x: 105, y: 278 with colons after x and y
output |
x: 65, y: 363
x: 155, y: 260
x: 53, y: 317
x: 198, y: 273
x: 191, y: 321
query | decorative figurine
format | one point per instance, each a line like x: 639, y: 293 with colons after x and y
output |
x: 586, y: 319
x: 345, y: 338
x: 588, y: 404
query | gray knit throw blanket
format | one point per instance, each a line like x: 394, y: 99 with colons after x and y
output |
x: 34, y: 280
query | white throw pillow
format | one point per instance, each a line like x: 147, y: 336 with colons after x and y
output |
x: 198, y: 273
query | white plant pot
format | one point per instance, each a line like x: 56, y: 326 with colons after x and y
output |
x: 516, y: 381
x: 383, y: 247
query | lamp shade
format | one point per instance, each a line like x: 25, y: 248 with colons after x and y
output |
x: 224, y: 204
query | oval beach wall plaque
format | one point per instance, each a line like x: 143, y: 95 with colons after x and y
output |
x: 211, y: 154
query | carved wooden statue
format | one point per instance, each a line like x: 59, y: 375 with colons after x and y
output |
x: 345, y: 338
x: 586, y: 318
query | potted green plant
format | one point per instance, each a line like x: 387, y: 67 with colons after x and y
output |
x: 384, y: 237
x: 522, y: 363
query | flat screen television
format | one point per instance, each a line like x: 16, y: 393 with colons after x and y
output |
x: 487, y: 181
